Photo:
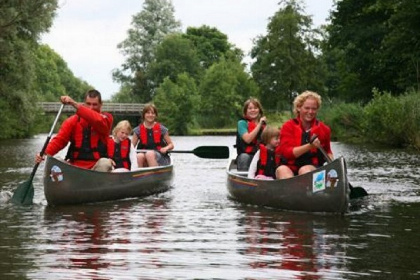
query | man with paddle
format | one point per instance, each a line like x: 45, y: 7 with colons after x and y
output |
x: 87, y: 131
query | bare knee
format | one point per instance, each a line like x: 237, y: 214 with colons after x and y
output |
x: 284, y: 172
x: 306, y: 168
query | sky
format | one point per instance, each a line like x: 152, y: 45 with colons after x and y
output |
x: 86, y: 33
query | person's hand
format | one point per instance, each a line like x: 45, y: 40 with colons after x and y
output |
x: 67, y: 100
x: 315, y: 141
x: 39, y: 158
x: 163, y: 151
x: 263, y: 120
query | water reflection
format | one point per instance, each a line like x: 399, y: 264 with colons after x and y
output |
x: 100, y: 241
x: 293, y: 245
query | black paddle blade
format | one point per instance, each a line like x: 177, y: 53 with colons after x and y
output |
x: 212, y: 152
x: 23, y: 194
x: 357, y: 192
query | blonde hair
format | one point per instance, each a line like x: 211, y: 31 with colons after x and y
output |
x: 268, y: 133
x: 121, y: 125
x: 256, y: 103
x: 301, y: 98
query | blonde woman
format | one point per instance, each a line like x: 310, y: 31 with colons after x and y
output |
x: 298, y: 149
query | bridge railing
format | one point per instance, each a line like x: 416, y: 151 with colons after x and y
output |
x: 124, y: 109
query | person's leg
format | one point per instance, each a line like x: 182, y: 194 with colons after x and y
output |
x: 141, y: 160
x: 151, y: 158
x: 103, y: 165
x: 243, y: 161
x: 306, y: 168
x: 284, y: 172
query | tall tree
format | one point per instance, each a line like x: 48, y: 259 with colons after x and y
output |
x: 21, y: 23
x: 286, y: 58
x: 148, y: 29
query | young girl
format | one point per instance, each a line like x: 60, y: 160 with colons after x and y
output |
x: 153, y: 138
x: 264, y: 163
x: 120, y: 149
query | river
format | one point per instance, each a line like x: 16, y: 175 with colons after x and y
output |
x: 194, y: 231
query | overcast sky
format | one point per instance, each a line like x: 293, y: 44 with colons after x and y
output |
x: 86, y: 33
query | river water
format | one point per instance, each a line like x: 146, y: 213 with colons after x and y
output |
x: 194, y: 231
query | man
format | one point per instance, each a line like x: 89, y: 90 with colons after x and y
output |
x: 87, y: 131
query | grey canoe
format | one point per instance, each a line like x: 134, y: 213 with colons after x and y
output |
x: 324, y: 190
x: 68, y: 184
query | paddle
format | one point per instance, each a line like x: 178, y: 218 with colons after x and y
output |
x: 205, y: 152
x: 355, y: 192
x: 24, y: 193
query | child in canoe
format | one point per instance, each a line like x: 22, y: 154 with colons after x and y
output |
x: 121, y: 150
x: 264, y: 163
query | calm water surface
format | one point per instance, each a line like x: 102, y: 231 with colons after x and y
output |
x: 194, y: 231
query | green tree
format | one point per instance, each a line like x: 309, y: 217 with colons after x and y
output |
x: 286, y: 58
x: 149, y: 28
x: 175, y: 55
x: 21, y: 23
x: 175, y: 101
x: 223, y: 90
x: 212, y: 45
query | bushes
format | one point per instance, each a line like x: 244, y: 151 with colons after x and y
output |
x: 388, y: 120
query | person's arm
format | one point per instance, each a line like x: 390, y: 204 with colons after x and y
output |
x: 170, y: 145
x: 100, y: 122
x: 254, y: 164
x: 248, y: 137
x: 63, y: 137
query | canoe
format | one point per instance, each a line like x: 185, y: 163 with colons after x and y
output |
x: 324, y: 190
x: 68, y: 184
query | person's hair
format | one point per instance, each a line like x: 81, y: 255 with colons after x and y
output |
x: 121, y: 125
x: 147, y: 108
x: 301, y: 98
x: 93, y: 93
x: 268, y: 133
x: 256, y: 103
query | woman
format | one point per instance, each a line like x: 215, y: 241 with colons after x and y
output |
x: 153, y: 138
x: 249, y: 132
x: 300, y: 138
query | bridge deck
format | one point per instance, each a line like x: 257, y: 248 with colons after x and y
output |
x: 122, y: 109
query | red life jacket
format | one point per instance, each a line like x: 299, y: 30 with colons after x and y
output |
x: 267, y: 163
x: 314, y: 156
x: 120, y: 153
x: 251, y: 148
x: 86, y: 143
x: 151, y: 138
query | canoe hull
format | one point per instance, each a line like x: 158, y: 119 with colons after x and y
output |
x: 325, y: 190
x: 68, y: 184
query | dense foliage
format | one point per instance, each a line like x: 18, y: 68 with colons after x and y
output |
x: 368, y: 55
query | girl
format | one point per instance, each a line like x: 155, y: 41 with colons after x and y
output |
x: 120, y: 149
x: 264, y: 163
x: 249, y: 132
x: 153, y: 138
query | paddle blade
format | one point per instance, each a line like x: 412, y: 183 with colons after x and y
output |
x: 23, y: 194
x: 357, y: 192
x: 212, y: 152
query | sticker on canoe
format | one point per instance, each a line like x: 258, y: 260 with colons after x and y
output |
x: 318, y: 181
x: 56, y: 174
x: 332, y: 178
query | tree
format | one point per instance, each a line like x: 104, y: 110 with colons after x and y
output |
x: 212, y: 45
x: 286, y: 58
x: 149, y: 28
x: 175, y: 101
x: 175, y: 55
x: 223, y: 90
x: 21, y: 23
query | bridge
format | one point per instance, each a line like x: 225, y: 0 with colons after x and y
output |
x: 117, y: 109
